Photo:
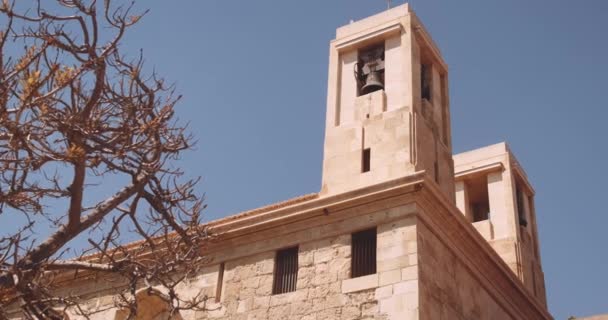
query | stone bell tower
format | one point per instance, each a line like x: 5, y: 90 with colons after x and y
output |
x: 388, y: 112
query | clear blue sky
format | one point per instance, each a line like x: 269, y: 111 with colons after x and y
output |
x: 533, y: 73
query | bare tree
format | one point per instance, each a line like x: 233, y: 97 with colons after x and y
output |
x: 75, y: 113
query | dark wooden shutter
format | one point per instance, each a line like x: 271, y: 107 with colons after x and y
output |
x: 285, y: 271
x: 363, y: 253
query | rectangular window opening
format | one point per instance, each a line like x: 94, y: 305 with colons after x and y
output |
x: 425, y: 81
x: 285, y: 271
x: 436, y: 168
x: 220, y: 280
x: 363, y: 253
x: 532, y: 220
x: 478, y: 198
x: 521, y: 210
x: 366, y: 160
x: 444, y: 109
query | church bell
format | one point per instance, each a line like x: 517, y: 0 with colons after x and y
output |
x: 373, y: 82
x: 369, y: 70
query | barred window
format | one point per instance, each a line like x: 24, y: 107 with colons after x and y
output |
x: 285, y: 271
x: 363, y: 253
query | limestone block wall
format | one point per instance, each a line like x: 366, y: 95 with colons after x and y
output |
x: 448, y: 289
x: 432, y: 156
x: 418, y: 275
x: 404, y: 136
x: 398, y: 287
x: 386, y: 134
x: 516, y: 244
x: 324, y: 287
x: 99, y: 295
x: 323, y: 264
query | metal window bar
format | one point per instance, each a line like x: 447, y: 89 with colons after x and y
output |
x: 286, y: 271
x: 363, y: 253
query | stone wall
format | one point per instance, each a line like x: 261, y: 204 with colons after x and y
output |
x: 323, y: 264
x: 324, y: 287
x: 448, y: 289
x: 424, y: 266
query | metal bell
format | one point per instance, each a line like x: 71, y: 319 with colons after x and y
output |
x: 373, y: 82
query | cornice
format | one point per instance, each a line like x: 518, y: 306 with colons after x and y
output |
x: 383, y: 31
x: 271, y: 221
x: 321, y: 206
x: 496, y: 166
x: 420, y: 30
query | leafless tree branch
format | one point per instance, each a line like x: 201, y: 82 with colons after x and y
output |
x: 76, y: 113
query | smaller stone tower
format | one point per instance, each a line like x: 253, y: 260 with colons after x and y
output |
x: 493, y: 192
x: 387, y: 105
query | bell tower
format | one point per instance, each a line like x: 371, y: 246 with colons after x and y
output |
x: 387, y: 105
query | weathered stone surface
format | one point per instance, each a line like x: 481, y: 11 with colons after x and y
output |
x: 420, y: 274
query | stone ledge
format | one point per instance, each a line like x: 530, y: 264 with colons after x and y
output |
x: 485, y: 228
x: 361, y: 283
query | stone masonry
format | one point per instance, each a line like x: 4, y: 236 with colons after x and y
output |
x: 455, y: 236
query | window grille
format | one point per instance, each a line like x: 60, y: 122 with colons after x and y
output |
x: 363, y: 254
x: 285, y: 271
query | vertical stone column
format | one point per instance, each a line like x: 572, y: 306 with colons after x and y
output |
x: 347, y: 86
x: 332, y: 115
x: 462, y: 199
x: 394, y: 76
x: 497, y: 196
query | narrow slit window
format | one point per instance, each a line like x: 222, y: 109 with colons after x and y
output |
x: 285, y: 271
x: 479, y: 198
x: 521, y: 210
x: 436, y: 168
x: 220, y: 280
x: 363, y: 253
x: 425, y: 81
x: 444, y: 109
x: 366, y: 160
